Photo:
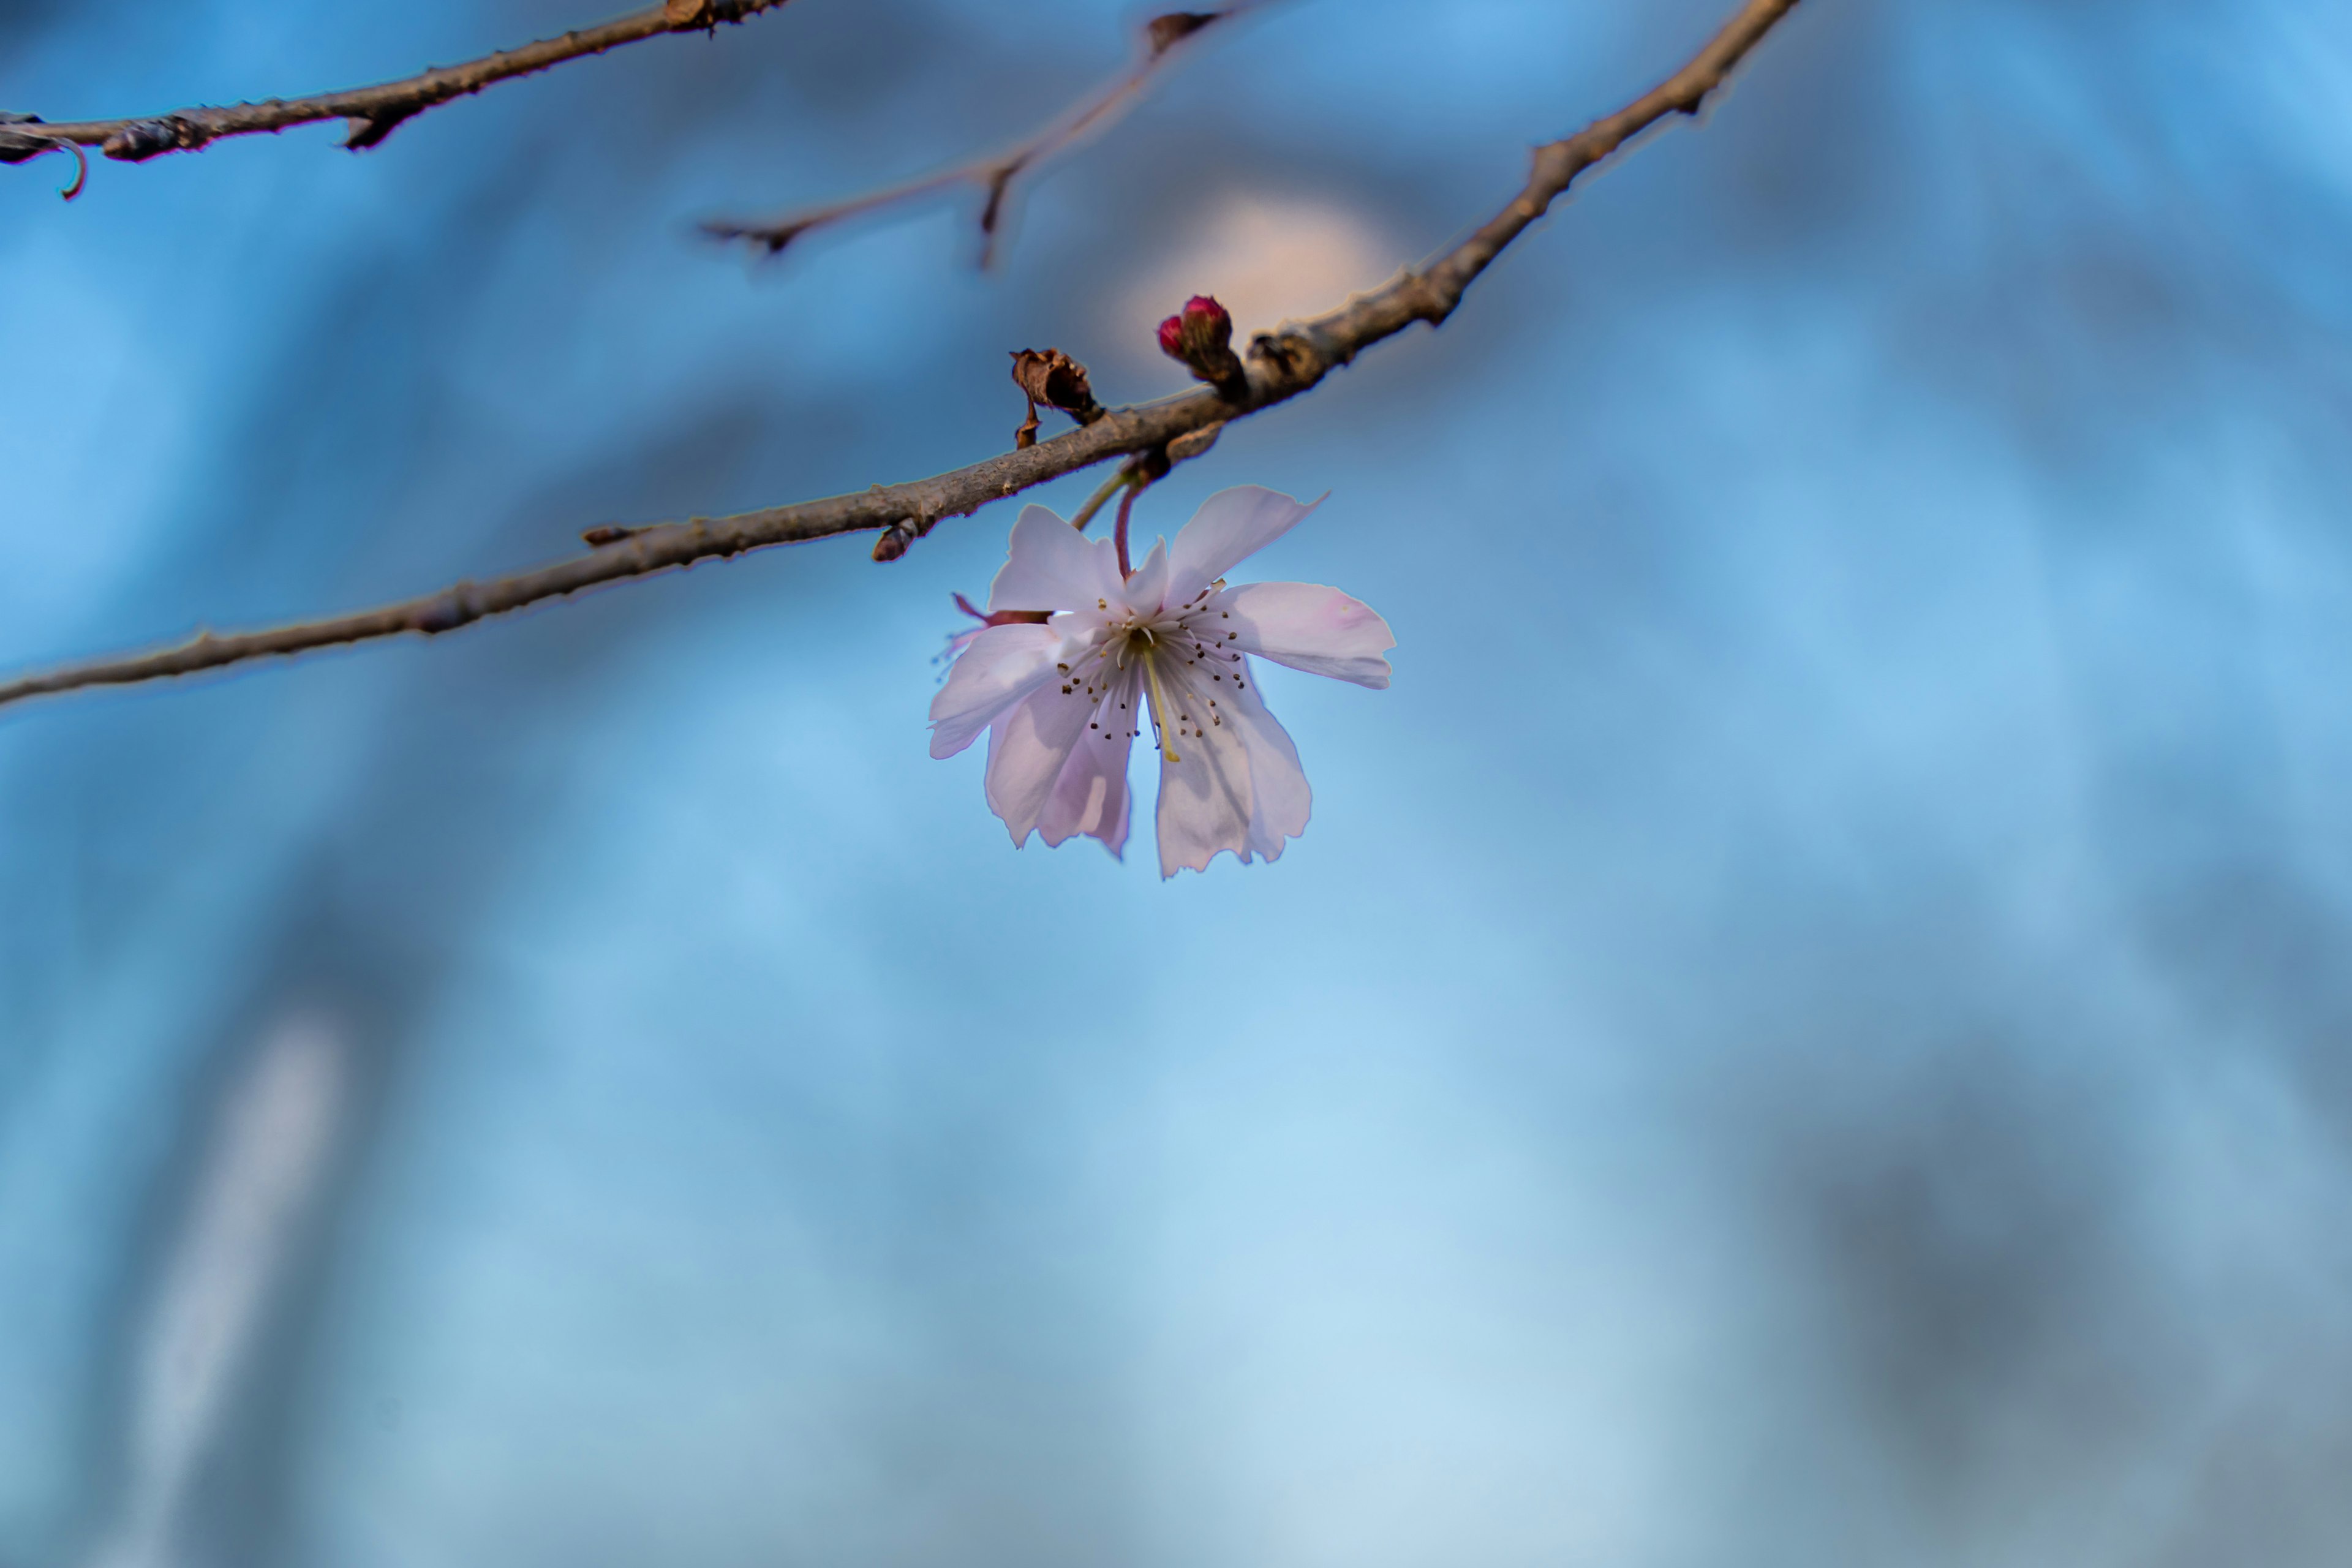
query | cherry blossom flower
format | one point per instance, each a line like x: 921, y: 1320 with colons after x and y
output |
x: 1079, y: 653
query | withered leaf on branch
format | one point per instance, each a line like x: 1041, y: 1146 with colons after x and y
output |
x: 1052, y: 378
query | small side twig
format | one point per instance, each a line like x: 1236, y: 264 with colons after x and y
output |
x: 372, y: 112
x: 1101, y: 498
x: 1162, y: 37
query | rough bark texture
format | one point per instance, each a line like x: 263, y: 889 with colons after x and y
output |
x: 1279, y: 368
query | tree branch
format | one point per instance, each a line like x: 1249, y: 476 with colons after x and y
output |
x: 1281, y: 366
x: 374, y: 111
x: 1162, y: 37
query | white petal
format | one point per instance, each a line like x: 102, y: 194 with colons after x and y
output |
x: 1306, y: 626
x: 1002, y: 665
x: 1147, y: 589
x: 1279, y: 798
x: 1027, y: 749
x: 1053, y: 567
x: 1230, y: 526
x: 1090, y: 796
x: 1205, y: 796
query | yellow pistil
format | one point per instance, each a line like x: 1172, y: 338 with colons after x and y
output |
x: 1159, y: 707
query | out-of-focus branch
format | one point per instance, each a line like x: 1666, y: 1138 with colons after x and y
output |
x: 1164, y: 37
x: 374, y: 111
x: 1281, y: 365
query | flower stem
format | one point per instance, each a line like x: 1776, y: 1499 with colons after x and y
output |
x: 1095, y: 502
x: 1125, y: 505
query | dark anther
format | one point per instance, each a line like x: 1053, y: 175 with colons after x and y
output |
x: 1200, y: 337
x: 1058, y: 381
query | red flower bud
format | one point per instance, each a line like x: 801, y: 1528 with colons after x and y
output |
x: 1202, y: 336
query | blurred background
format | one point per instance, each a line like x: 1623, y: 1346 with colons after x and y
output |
x: 1812, y: 1024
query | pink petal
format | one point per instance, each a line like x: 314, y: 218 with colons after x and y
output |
x: 1230, y: 526
x: 1279, y: 798
x: 1090, y: 795
x: 1147, y: 589
x: 1306, y: 626
x: 1052, y: 566
x: 1002, y: 665
x: 1027, y: 749
x: 1205, y: 796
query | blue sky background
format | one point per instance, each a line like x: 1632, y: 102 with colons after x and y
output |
x: 1810, y: 1025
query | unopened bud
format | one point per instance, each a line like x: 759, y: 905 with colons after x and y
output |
x: 896, y: 538
x: 1201, y: 336
x: 1052, y: 378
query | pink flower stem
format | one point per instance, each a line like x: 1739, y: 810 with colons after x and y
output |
x: 1125, y: 505
x: 1002, y: 617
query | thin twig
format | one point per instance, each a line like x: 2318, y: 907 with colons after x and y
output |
x: 1281, y: 366
x: 1095, y: 503
x: 1163, y: 38
x: 372, y: 112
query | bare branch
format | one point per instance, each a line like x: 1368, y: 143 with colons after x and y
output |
x: 1282, y: 365
x: 372, y: 112
x: 1162, y: 37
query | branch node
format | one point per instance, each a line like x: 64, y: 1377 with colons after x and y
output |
x: 364, y: 131
x: 1291, y: 355
x: 701, y: 15
x: 1424, y: 299
x: 453, y: 607
x: 900, y: 535
x: 1192, y: 443
x: 143, y: 139
x: 612, y: 534
x: 1164, y: 32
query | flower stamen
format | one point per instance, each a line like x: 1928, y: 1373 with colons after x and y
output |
x: 1158, y: 708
